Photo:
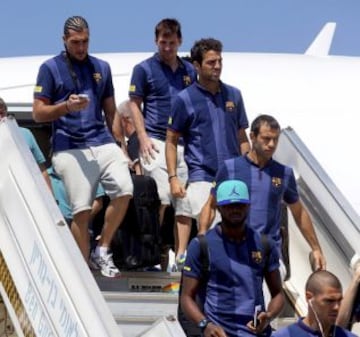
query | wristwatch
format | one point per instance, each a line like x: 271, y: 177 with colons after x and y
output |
x: 203, y: 324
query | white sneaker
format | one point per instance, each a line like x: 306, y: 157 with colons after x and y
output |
x: 106, y: 265
x: 174, y: 268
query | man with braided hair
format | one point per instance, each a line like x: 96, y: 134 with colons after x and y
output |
x: 75, y: 92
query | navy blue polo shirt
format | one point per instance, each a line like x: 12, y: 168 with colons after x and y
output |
x: 77, y: 130
x: 235, y: 281
x: 157, y: 84
x: 209, y: 125
x: 268, y: 187
x: 300, y: 329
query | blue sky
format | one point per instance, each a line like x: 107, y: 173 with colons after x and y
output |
x: 35, y: 27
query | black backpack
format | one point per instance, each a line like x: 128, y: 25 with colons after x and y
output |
x: 190, y: 328
x: 136, y: 244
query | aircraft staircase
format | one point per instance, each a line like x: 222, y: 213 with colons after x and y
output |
x: 46, y: 297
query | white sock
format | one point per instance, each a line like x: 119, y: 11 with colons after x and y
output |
x: 101, y: 251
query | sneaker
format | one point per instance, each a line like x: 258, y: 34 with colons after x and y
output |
x: 106, y: 265
x: 93, y: 265
x: 153, y: 268
x: 180, y: 262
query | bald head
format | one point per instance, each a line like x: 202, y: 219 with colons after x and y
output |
x: 126, y: 121
x: 320, y: 279
x: 124, y: 109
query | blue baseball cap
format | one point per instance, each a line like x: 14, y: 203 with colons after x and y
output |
x: 232, y: 192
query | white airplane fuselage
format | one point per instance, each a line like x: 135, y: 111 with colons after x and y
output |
x: 316, y: 96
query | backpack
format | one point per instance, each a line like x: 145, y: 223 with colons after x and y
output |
x: 136, y: 243
x: 190, y: 328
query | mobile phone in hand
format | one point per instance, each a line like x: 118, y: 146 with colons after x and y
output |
x: 257, y: 310
x: 86, y: 96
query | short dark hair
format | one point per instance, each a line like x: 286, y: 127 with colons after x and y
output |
x: 320, y: 278
x: 261, y: 120
x: 77, y: 23
x: 168, y: 27
x: 202, y: 46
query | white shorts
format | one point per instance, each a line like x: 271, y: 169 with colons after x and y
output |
x: 157, y: 169
x: 82, y: 169
x: 197, y: 193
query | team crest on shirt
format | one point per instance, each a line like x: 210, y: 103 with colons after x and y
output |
x: 187, y: 80
x: 97, y: 77
x: 256, y: 256
x: 132, y: 88
x: 276, y: 181
x: 230, y: 106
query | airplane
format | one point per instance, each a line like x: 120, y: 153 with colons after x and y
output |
x: 314, y: 92
x: 314, y: 97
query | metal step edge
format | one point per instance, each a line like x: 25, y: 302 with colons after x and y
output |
x: 123, y: 319
x: 114, y: 296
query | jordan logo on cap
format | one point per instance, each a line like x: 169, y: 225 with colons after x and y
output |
x: 233, y: 192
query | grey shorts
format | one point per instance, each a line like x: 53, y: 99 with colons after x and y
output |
x: 82, y: 169
x: 158, y: 170
x: 197, y: 193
